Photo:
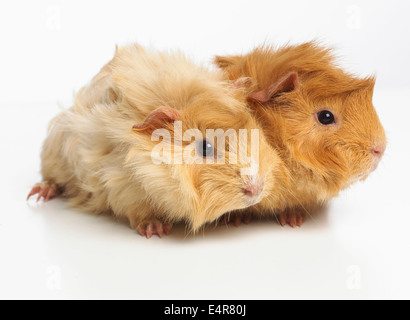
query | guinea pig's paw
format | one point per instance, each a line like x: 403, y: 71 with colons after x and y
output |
x: 151, y: 227
x: 293, y: 217
x: 236, y: 218
x: 44, y: 190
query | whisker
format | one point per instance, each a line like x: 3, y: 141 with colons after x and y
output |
x: 187, y: 232
x: 276, y: 217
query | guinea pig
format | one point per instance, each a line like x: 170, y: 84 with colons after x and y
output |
x: 319, y: 118
x: 146, y: 139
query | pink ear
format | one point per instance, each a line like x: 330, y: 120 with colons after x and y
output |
x: 287, y: 83
x: 157, y: 119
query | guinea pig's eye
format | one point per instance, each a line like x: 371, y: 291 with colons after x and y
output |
x: 205, y: 148
x: 326, y: 117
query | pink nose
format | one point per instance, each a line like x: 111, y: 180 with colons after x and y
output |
x: 254, y: 189
x: 378, y: 150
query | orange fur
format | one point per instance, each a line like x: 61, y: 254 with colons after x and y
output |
x: 322, y: 160
x: 98, y: 152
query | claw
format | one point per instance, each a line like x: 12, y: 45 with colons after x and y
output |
x: 142, y: 231
x: 44, y: 190
x: 300, y: 219
x: 237, y: 221
x: 282, y: 219
x: 292, y: 220
x: 160, y: 230
x: 42, y: 193
x: 50, y: 194
x: 149, y: 231
x: 33, y: 191
x: 167, y: 228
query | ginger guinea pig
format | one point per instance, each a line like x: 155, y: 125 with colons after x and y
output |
x: 146, y: 140
x: 319, y: 118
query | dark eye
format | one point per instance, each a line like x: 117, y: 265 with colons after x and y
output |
x: 205, y: 148
x: 326, y: 117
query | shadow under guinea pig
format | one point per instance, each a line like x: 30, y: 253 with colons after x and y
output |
x: 316, y: 220
x: 59, y: 214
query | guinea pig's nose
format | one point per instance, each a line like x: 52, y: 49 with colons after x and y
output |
x: 254, y: 188
x: 378, y: 150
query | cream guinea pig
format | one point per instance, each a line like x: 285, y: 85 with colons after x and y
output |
x: 99, y: 153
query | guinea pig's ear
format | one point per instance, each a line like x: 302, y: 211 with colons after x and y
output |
x: 156, y: 120
x: 224, y: 62
x: 110, y: 95
x: 287, y: 83
x: 370, y: 83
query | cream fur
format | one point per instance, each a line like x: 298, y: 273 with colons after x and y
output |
x: 96, y: 160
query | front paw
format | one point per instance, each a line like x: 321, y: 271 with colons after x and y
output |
x: 149, y: 228
x: 292, y: 217
x: 236, y: 218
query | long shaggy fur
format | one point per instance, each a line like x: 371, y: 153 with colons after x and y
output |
x: 102, y: 165
x: 321, y: 160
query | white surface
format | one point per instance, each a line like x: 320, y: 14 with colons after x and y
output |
x: 96, y: 257
x: 51, y: 251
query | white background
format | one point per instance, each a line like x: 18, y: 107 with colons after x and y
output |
x: 359, y: 248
